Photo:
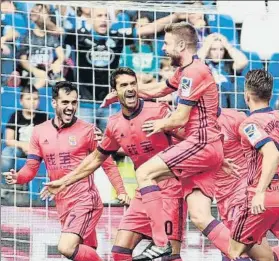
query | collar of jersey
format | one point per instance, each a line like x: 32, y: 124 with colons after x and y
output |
x: 195, y: 56
x: 266, y: 109
x: 67, y: 125
x: 136, y: 112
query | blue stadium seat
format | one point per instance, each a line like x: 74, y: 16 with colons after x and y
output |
x: 254, y: 62
x: 273, y: 66
x: 223, y: 24
x: 275, y: 96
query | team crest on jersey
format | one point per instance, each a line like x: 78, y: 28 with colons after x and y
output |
x: 252, y: 133
x: 185, y: 86
x: 72, y: 140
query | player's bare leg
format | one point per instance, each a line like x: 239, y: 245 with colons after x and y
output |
x: 154, y: 170
x: 70, y: 246
x: 236, y: 249
x: 124, y: 245
x: 202, y: 218
x: 262, y: 252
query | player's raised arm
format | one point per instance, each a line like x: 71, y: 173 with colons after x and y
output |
x: 31, y: 167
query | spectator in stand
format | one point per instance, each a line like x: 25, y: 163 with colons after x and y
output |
x: 166, y: 71
x: 19, y: 127
x: 99, y: 51
x: 226, y: 62
x: 198, y: 20
x: 41, y: 54
x: 140, y: 55
x: 13, y: 28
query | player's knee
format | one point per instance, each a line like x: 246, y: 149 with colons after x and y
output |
x: 200, y: 218
x: 234, y: 252
x: 67, y: 249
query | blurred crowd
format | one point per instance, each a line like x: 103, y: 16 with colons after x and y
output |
x: 42, y: 44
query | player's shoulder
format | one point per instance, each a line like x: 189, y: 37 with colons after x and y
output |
x: 233, y: 114
x: 115, y: 120
x: 43, y: 127
x: 155, y: 108
x: 197, y: 68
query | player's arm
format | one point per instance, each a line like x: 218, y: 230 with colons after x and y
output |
x: 114, y: 176
x: 31, y: 167
x: 92, y: 162
x: 260, y: 140
x: 269, y: 165
x: 191, y: 89
x: 158, y: 25
x: 155, y: 90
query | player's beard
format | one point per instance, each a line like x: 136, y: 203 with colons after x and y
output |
x: 61, y: 114
x: 175, y: 60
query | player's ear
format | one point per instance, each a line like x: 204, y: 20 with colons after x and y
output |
x: 181, y: 45
x: 54, y: 103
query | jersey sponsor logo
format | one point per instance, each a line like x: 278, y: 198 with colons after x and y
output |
x: 72, y: 140
x: 186, y: 86
x: 252, y: 133
x: 45, y: 141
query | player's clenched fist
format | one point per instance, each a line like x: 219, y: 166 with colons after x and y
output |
x: 10, y: 177
x: 124, y: 199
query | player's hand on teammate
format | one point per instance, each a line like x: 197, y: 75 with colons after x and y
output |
x: 230, y: 168
x: 51, y: 188
x: 258, y: 203
x: 124, y: 199
x: 109, y: 99
x: 98, y: 134
x: 152, y: 127
x: 10, y: 177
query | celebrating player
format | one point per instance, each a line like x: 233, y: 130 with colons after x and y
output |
x: 200, y: 155
x: 63, y: 143
x: 201, y: 152
x: 125, y: 130
x: 260, y: 139
x: 230, y: 186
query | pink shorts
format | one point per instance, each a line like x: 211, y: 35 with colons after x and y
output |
x: 189, y: 157
x: 82, y: 220
x: 205, y: 182
x: 250, y: 229
x: 136, y: 220
x: 228, y: 216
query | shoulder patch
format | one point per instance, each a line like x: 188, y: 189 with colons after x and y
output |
x: 186, y: 86
x: 252, y: 132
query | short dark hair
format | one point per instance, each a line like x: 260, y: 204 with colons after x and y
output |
x: 65, y: 85
x: 260, y: 83
x: 120, y: 71
x: 28, y: 89
x: 184, y: 31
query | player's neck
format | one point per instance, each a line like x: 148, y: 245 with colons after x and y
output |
x: 186, y: 59
x: 27, y: 114
x: 128, y: 112
x: 258, y: 106
x: 58, y: 122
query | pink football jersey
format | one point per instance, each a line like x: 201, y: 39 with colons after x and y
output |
x: 63, y: 150
x: 227, y: 187
x: 261, y: 127
x: 197, y: 88
x: 126, y: 132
